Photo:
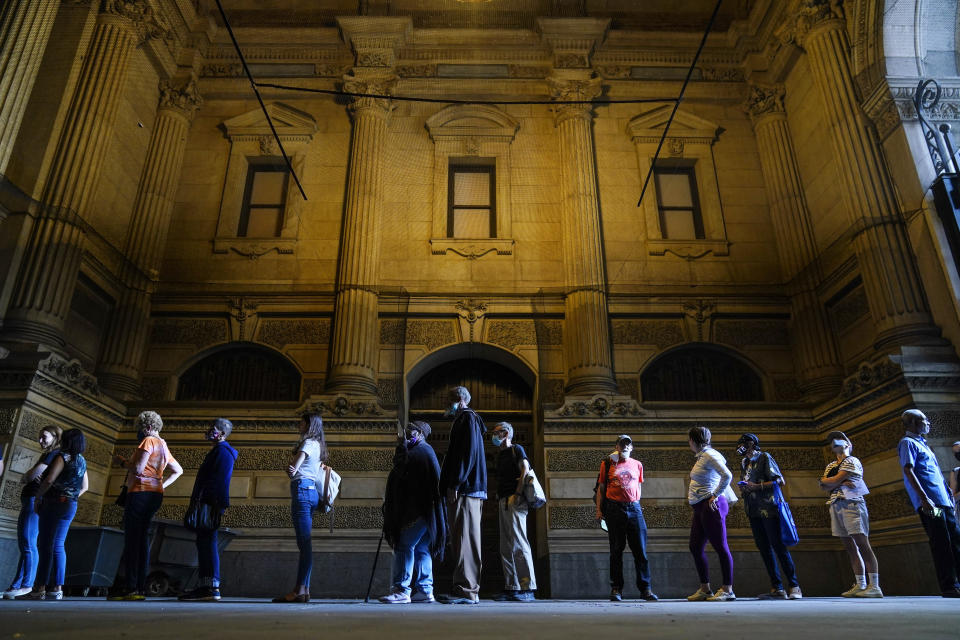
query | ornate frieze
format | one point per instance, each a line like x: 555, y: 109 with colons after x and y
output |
x: 849, y: 309
x: 743, y: 333
x: 279, y: 333
x: 662, y: 333
x: 200, y: 332
x: 70, y: 372
x: 597, y: 406
x: 430, y: 333
x: 343, y: 406
x: 869, y: 376
x: 8, y: 418
x: 154, y: 387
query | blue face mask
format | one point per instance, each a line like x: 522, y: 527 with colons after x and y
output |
x: 454, y: 409
x: 412, y: 441
x: 497, y: 441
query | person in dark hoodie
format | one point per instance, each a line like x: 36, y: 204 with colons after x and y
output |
x: 414, y: 517
x: 463, y: 481
x: 212, y: 486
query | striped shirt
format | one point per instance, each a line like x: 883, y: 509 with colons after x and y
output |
x: 845, y: 491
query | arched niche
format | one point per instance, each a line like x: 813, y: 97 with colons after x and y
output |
x: 700, y: 372
x: 240, y: 372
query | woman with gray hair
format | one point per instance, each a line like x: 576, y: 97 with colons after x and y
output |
x: 145, y: 484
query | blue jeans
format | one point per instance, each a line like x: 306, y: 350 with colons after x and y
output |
x: 766, y: 533
x: 208, y: 556
x: 27, y: 530
x: 141, y: 505
x: 304, y: 500
x: 412, y: 553
x: 625, y: 525
x: 55, y: 519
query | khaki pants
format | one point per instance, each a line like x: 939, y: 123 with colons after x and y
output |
x: 515, y: 552
x: 464, y: 518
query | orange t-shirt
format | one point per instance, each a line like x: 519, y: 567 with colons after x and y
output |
x: 623, y: 480
x: 158, y: 457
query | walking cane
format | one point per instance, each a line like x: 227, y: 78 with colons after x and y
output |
x: 374, y: 570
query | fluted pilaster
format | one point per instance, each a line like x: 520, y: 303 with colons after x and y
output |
x: 817, y: 359
x: 25, y: 27
x: 48, y: 272
x: 146, y: 237
x: 586, y: 333
x: 890, y: 275
x: 353, y: 358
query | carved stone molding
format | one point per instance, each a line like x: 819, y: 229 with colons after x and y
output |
x: 598, y: 406
x: 256, y: 249
x: 565, y: 90
x: 869, y: 375
x: 662, y: 333
x: 471, y: 249
x: 744, y: 333
x: 281, y: 332
x: 698, y: 319
x: 70, y: 372
x: 809, y: 14
x: 430, y: 333
x: 139, y: 12
x: 342, y: 406
x: 200, y: 332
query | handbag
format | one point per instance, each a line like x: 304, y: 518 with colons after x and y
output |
x: 331, y: 488
x: 121, y: 500
x: 788, y: 528
x: 533, y: 491
x: 202, y: 516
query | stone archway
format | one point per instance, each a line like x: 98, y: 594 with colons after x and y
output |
x: 504, y: 389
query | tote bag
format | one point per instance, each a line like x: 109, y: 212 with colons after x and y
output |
x: 788, y: 528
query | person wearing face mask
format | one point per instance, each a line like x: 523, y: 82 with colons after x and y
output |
x: 849, y: 520
x: 931, y: 497
x: 212, y: 486
x: 709, y: 496
x: 515, y: 554
x: 955, y: 477
x: 463, y: 481
x: 618, y: 505
x: 414, y: 517
x: 758, y: 475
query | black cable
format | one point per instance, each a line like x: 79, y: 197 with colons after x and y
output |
x: 256, y: 92
x: 676, y: 104
x: 336, y: 92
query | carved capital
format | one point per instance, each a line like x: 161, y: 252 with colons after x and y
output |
x: 140, y: 14
x: 808, y: 15
x: 183, y: 97
x: 375, y: 89
x: 764, y: 100
x: 566, y: 90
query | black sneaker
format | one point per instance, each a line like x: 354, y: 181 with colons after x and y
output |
x: 648, y: 595
x: 201, y: 594
x: 506, y: 596
x: 615, y: 595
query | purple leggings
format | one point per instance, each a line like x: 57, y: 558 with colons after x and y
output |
x: 711, y: 525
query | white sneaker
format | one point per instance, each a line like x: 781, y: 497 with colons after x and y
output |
x: 698, y: 596
x: 397, y: 597
x: 420, y: 596
x: 852, y: 591
x: 794, y: 593
x: 872, y: 591
x: 722, y: 596
x: 10, y: 594
x: 53, y: 595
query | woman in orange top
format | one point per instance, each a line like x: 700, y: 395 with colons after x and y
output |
x: 145, y: 485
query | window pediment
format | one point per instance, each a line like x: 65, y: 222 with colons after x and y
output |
x: 457, y: 121
x: 648, y: 127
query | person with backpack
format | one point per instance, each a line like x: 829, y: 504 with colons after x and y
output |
x: 64, y: 481
x: 414, y: 517
x: 849, y: 520
x: 515, y: 553
x: 617, y: 496
x: 463, y: 480
x: 759, y: 474
x: 306, y: 473
x: 212, y: 487
x: 28, y: 520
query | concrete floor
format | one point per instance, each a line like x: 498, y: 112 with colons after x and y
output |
x: 926, y: 618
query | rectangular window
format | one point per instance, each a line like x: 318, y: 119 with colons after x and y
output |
x: 677, y: 201
x: 264, y: 199
x: 471, y: 206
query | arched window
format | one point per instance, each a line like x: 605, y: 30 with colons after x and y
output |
x: 699, y: 373
x: 242, y: 373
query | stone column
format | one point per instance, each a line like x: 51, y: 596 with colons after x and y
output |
x: 586, y: 327
x: 48, y: 271
x: 25, y: 27
x: 353, y: 356
x: 146, y: 236
x: 890, y: 275
x: 818, y: 362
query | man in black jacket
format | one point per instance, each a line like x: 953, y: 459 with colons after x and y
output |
x: 463, y: 479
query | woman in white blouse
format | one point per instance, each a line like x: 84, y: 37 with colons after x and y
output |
x: 710, y: 496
